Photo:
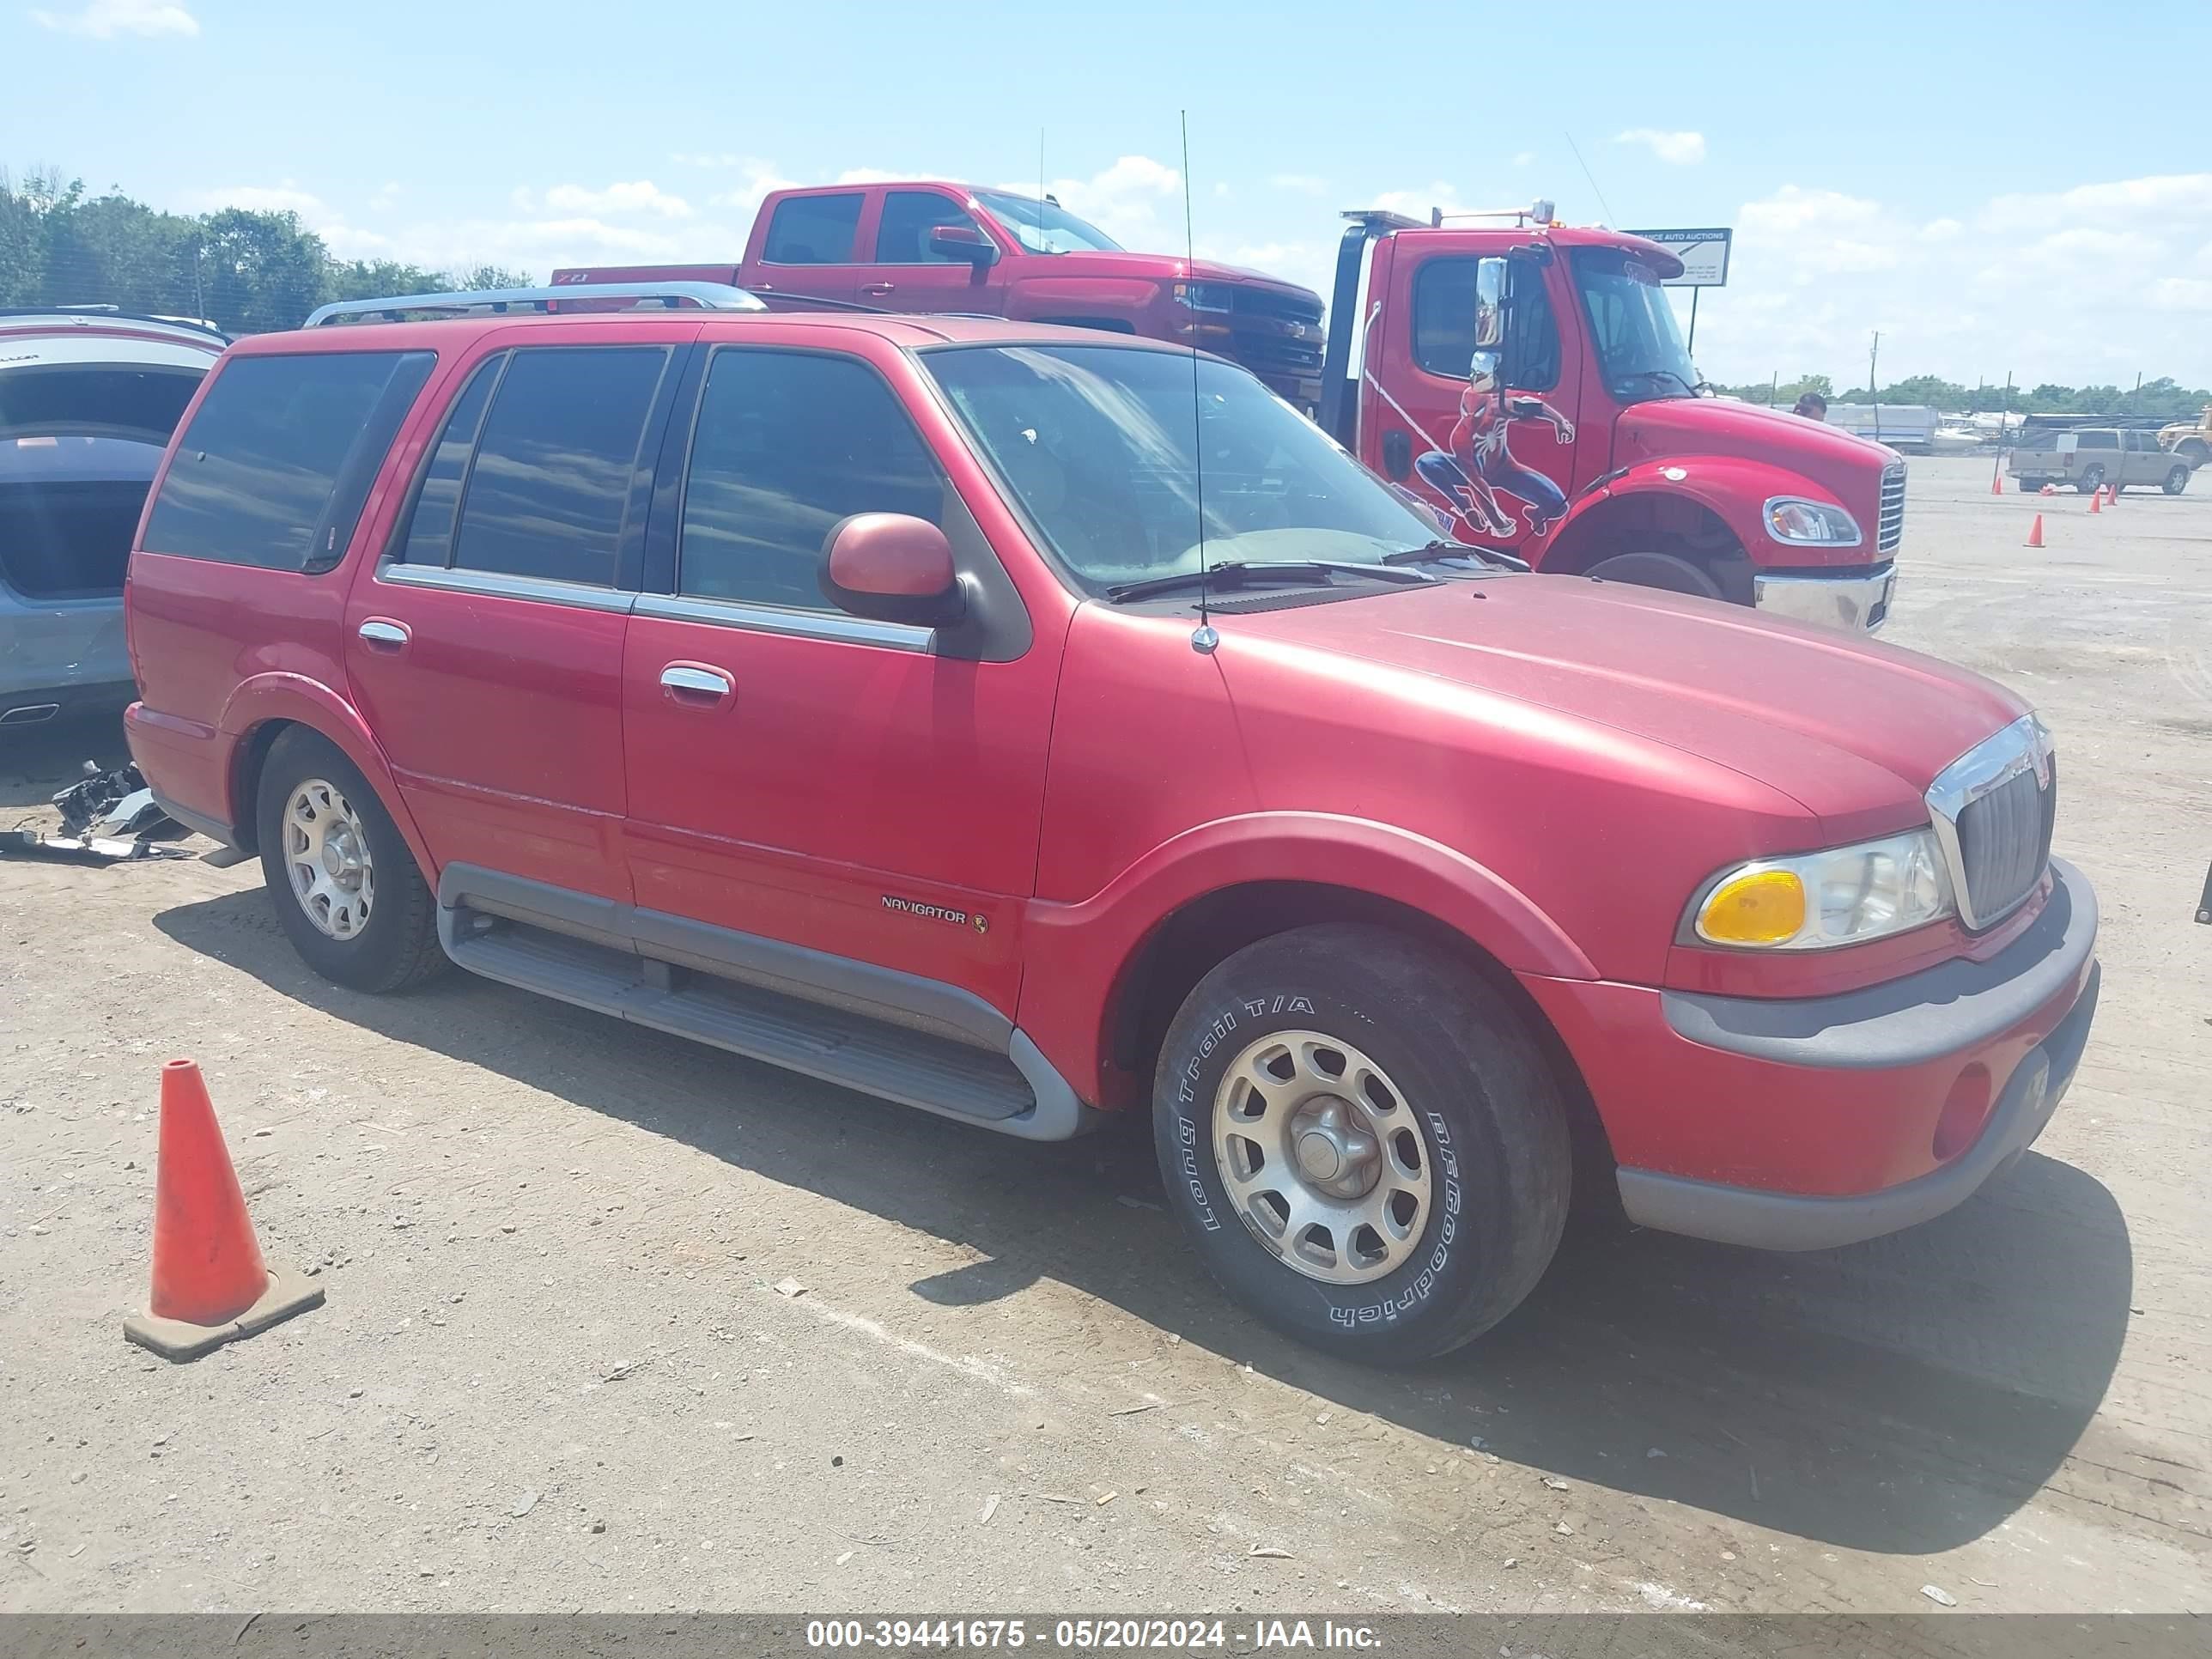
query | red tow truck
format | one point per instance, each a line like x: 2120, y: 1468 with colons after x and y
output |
x: 927, y: 245
x: 1529, y: 380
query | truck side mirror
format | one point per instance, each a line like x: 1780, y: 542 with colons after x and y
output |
x: 892, y: 566
x: 964, y: 243
x: 1494, y: 335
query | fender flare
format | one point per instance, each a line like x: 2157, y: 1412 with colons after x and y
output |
x: 1080, y: 954
x: 299, y: 701
x: 1734, y: 489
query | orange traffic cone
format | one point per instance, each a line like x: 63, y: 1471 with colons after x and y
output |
x: 2035, y: 532
x: 2112, y: 495
x: 210, y: 1285
x: 1996, y: 477
x: 2096, y: 499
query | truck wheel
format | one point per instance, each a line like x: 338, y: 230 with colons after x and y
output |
x: 2176, y: 480
x: 1661, y: 570
x: 1363, y: 1141
x: 347, y: 891
x: 2091, y: 480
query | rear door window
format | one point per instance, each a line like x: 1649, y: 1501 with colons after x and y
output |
x: 429, y: 538
x: 787, y: 444
x: 814, y: 230
x: 279, y: 457
x: 549, y: 492
x: 2100, y: 440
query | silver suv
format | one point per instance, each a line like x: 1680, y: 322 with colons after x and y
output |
x: 87, y: 400
x: 2088, y: 458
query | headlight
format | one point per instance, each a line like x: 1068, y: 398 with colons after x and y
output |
x: 1792, y: 518
x: 1817, y: 901
x: 1205, y: 296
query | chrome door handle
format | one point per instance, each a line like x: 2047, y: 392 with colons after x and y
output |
x: 378, y: 631
x: 683, y: 680
x: 878, y: 289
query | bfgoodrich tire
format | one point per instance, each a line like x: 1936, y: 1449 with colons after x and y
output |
x: 348, y: 893
x: 1362, y: 1142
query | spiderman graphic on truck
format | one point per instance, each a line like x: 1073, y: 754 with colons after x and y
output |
x: 1476, y: 468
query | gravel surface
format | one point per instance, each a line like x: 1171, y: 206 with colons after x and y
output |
x: 619, y: 1322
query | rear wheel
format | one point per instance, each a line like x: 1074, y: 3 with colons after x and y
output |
x: 1362, y: 1141
x: 2091, y: 480
x: 348, y: 892
x: 1662, y: 570
x: 2176, y: 480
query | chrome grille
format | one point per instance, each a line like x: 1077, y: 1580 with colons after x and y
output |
x: 1273, y: 302
x: 2004, y: 838
x: 1992, y: 810
x: 1890, y: 528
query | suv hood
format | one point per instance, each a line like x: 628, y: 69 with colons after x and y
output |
x: 1852, y: 729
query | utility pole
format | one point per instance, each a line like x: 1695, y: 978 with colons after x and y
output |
x: 1774, y: 390
x: 1874, y: 354
x: 2135, y: 403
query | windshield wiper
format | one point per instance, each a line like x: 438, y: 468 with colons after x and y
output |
x: 1445, y: 550
x: 1666, y: 374
x: 1246, y: 573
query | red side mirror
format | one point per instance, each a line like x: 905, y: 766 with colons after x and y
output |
x: 963, y: 242
x: 892, y: 566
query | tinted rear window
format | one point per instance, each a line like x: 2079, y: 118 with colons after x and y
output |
x: 814, y: 230
x: 274, y: 468
x: 549, y: 492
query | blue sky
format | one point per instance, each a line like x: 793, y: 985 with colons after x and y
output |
x: 1914, y: 168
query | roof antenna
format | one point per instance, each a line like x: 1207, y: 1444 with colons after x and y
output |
x: 1204, y: 639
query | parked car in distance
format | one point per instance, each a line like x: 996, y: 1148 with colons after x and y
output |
x: 893, y: 699
x: 2189, y: 440
x: 925, y: 245
x: 1909, y: 427
x: 2089, y: 457
x: 88, y: 398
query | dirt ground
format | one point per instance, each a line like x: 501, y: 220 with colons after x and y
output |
x: 555, y: 1370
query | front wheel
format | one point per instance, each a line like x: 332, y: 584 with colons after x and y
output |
x: 2091, y: 480
x: 1362, y: 1142
x: 1660, y: 570
x: 2176, y: 480
x: 348, y: 894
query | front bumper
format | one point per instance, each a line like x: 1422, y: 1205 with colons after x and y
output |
x: 1856, y: 600
x: 1799, y: 1124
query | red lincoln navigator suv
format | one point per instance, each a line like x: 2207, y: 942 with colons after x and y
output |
x: 1027, y: 726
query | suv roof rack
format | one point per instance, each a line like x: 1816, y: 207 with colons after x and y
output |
x: 705, y: 296
x: 108, y: 314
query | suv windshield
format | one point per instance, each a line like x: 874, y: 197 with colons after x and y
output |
x: 1639, y: 347
x: 1096, y: 444
x: 1046, y: 227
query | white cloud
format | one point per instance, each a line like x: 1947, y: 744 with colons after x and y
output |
x: 1676, y: 148
x: 386, y: 194
x: 2079, y: 286
x: 872, y: 176
x: 760, y: 178
x: 1522, y: 157
x: 638, y: 196
x: 1300, y: 183
x: 103, y: 19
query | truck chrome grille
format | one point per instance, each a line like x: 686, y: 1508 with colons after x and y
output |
x: 1890, y: 527
x: 1269, y: 302
x: 1992, y: 810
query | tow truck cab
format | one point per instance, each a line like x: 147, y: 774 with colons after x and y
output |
x: 1529, y: 380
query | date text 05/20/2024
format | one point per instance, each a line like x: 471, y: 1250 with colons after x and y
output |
x: 1092, y: 1635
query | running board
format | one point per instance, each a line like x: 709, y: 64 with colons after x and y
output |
x: 1016, y: 1092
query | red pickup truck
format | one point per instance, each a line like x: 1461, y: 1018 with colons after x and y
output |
x: 985, y: 716
x: 926, y: 246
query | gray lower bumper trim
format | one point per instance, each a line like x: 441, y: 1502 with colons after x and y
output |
x: 1909, y: 1021
x: 213, y: 829
x: 1789, y: 1221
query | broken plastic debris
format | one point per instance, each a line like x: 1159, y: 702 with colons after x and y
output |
x: 1939, y: 1595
